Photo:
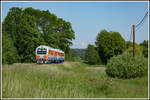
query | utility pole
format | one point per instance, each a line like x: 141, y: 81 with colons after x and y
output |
x: 133, y: 40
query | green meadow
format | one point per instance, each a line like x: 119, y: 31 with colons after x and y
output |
x: 68, y: 80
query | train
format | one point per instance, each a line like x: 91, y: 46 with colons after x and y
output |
x: 46, y: 54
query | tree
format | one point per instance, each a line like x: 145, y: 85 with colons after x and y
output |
x: 9, y: 52
x: 129, y: 48
x: 56, y: 32
x: 78, y: 54
x: 30, y: 28
x: 29, y: 39
x: 91, y: 55
x: 109, y: 44
x: 24, y: 33
x: 12, y: 22
x: 144, y: 44
x: 9, y: 35
x: 129, y: 44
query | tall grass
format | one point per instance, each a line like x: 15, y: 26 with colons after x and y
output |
x: 67, y: 80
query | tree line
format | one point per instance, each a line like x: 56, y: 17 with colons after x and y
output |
x: 25, y: 29
x: 109, y: 44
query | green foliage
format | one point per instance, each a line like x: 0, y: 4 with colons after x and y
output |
x: 145, y: 52
x: 25, y: 34
x: 144, y: 44
x: 126, y: 66
x: 109, y: 44
x: 78, y: 54
x: 138, y: 50
x: 30, y: 28
x: 129, y: 44
x: 9, y: 52
x: 91, y: 55
x: 56, y: 32
x: 68, y: 54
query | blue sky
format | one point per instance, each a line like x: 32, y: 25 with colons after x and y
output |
x: 89, y: 18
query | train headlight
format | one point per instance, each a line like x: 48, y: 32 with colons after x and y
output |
x: 37, y: 56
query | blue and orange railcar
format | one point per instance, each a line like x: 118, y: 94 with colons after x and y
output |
x: 45, y: 54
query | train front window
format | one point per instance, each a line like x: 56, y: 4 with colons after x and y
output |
x: 41, y: 51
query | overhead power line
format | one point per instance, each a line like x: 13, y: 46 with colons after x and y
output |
x: 139, y: 25
x: 133, y: 31
x: 142, y: 20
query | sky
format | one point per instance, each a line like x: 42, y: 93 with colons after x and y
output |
x: 89, y: 18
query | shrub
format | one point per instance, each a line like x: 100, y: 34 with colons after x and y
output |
x: 91, y: 55
x: 144, y: 44
x: 138, y: 50
x: 125, y: 66
x: 145, y: 52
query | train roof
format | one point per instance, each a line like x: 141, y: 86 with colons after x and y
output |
x: 50, y: 48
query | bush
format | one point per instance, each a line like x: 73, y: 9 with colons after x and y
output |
x: 145, y: 52
x: 144, y: 44
x: 125, y: 66
x: 138, y: 50
x: 91, y: 55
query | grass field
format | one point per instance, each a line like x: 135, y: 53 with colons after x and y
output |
x: 67, y: 80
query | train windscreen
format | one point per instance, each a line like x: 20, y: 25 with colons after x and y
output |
x: 41, y: 51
